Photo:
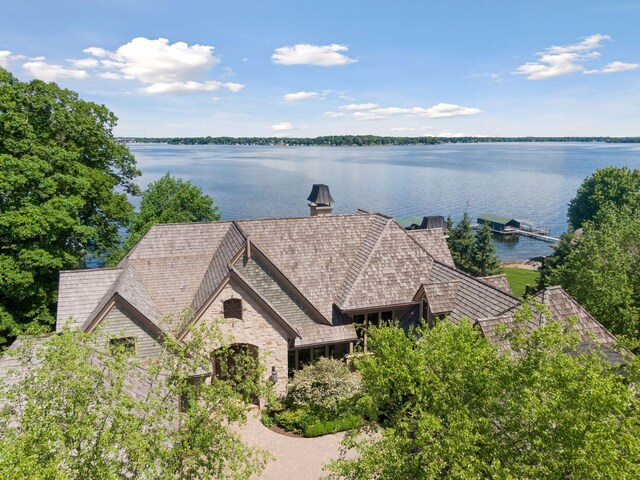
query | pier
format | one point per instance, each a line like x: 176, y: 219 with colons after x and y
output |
x: 509, y: 226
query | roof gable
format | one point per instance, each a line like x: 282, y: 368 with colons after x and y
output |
x: 434, y: 243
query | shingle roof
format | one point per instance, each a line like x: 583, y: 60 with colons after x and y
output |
x: 477, y: 299
x: 392, y: 273
x: 314, y: 253
x: 79, y: 293
x: 130, y: 288
x: 435, y: 243
x: 498, y: 281
x: 441, y: 297
x: 561, y: 307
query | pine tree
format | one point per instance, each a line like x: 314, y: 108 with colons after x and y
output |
x: 461, y: 244
x: 485, y: 260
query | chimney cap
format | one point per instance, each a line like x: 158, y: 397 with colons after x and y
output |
x: 320, y: 194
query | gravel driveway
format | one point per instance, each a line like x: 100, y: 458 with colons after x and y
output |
x: 296, y: 458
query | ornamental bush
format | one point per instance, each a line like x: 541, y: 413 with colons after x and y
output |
x: 326, y: 388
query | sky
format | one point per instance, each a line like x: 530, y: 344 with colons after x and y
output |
x: 309, y: 68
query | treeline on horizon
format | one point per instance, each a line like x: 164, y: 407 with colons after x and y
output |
x: 362, y: 140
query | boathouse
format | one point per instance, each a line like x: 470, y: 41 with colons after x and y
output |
x: 498, y: 223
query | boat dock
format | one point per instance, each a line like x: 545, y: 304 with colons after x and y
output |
x: 509, y: 226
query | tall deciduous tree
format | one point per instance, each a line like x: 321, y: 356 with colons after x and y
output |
x: 451, y: 405
x: 167, y: 200
x: 79, y: 409
x: 64, y: 182
x: 607, y: 186
x: 602, y: 269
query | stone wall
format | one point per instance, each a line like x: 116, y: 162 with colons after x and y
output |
x: 257, y: 328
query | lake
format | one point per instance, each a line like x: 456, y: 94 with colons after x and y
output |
x: 530, y: 182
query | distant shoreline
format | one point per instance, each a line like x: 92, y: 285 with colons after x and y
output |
x: 365, y: 140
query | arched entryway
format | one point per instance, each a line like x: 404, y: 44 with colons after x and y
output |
x: 238, y: 363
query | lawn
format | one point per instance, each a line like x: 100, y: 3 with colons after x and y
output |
x: 519, y: 278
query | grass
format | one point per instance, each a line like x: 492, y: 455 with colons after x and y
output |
x: 519, y: 278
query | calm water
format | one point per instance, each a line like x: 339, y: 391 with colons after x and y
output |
x: 527, y: 181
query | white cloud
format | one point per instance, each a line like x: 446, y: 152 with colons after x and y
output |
x: 334, y: 114
x: 157, y: 61
x: 444, y: 110
x: 187, y: 87
x: 591, y: 42
x: 282, y: 127
x: 411, y: 129
x: 5, y: 56
x: 49, y: 72
x: 566, y: 59
x: 367, y: 116
x: 359, y: 106
x: 615, y: 67
x: 163, y: 67
x: 372, y: 111
x: 306, y: 54
x: 296, y: 97
x: 85, y: 63
x: 110, y: 75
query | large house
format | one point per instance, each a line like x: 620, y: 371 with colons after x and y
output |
x: 289, y: 289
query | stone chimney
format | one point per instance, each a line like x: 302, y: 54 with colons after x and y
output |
x: 320, y: 200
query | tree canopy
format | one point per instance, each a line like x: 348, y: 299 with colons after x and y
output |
x: 64, y: 182
x: 601, y: 268
x: 78, y: 409
x: 607, y: 186
x: 451, y: 405
x: 167, y: 200
x: 475, y: 255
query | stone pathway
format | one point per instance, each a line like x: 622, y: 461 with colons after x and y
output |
x: 296, y: 458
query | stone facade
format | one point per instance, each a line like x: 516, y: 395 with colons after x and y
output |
x: 256, y: 328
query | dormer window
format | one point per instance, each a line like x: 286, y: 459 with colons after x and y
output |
x: 233, y: 308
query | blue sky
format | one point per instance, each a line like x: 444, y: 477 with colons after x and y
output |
x: 303, y: 68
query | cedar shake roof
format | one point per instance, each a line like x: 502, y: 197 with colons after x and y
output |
x: 79, y: 293
x: 310, y: 271
x: 498, y: 281
x: 475, y: 298
x: 562, y: 307
x: 441, y: 297
x: 435, y: 243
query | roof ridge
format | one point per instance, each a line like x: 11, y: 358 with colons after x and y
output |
x: 85, y: 270
x: 477, y: 279
x: 377, y: 227
x: 200, y: 295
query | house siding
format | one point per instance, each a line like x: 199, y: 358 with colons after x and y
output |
x: 257, y: 327
x: 121, y: 322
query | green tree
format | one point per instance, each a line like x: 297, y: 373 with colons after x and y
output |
x: 448, y: 404
x: 167, y: 200
x: 461, y: 243
x: 607, y: 186
x: 64, y: 182
x: 601, y: 270
x: 485, y: 260
x: 80, y: 410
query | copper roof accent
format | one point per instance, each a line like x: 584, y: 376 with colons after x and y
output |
x: 320, y: 195
x: 498, y: 281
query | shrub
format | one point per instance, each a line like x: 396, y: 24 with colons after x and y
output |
x: 297, y: 420
x: 332, y: 426
x: 325, y: 388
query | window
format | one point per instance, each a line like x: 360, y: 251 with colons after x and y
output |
x: 233, y: 308
x: 319, y: 352
x: 124, y: 344
x: 386, y: 317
